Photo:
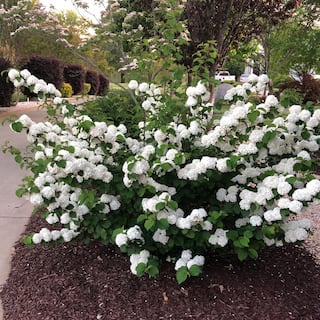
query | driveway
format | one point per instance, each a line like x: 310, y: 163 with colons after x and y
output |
x: 14, y: 212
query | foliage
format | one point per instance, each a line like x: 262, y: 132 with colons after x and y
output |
x: 75, y: 75
x: 116, y: 108
x: 92, y: 77
x: 288, y: 97
x: 66, y: 90
x: 185, y: 187
x: 23, y: 24
x: 6, y: 87
x: 294, y: 45
x: 230, y: 23
x: 103, y: 85
x: 306, y: 86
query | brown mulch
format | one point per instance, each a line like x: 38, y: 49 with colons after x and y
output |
x: 94, y: 282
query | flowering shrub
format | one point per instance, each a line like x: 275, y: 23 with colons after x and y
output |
x: 184, y: 188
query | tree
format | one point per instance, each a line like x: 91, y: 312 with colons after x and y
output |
x: 26, y: 16
x: 231, y: 23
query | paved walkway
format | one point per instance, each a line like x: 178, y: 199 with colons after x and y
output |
x: 14, y: 212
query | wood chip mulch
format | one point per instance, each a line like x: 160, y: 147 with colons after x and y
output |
x: 82, y: 282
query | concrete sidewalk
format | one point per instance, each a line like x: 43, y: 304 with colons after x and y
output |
x: 14, y: 212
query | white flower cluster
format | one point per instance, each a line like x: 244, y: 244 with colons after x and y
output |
x: 24, y: 78
x: 296, y: 230
x: 219, y: 238
x: 132, y: 234
x: 186, y: 260
x: 248, y: 163
x: 136, y: 258
x: 46, y: 235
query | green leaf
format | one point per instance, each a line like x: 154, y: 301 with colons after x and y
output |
x: 141, y: 218
x: 248, y: 234
x: 153, y: 270
x: 62, y: 163
x: 20, y: 192
x: 17, y: 126
x: 182, y: 274
x: 163, y: 224
x: 195, y: 270
x: 149, y: 223
x: 305, y: 134
x: 173, y: 205
x: 253, y: 253
x: 244, y: 242
x: 242, y: 254
x: 140, y: 268
x: 252, y: 116
x: 160, y: 206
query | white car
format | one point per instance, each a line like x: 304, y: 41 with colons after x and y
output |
x: 244, y: 77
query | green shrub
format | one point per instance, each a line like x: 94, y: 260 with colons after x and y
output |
x: 75, y: 75
x: 92, y: 77
x: 289, y: 97
x: 86, y: 88
x: 116, y: 108
x: 6, y: 86
x: 66, y: 90
x: 182, y: 188
x: 49, y: 69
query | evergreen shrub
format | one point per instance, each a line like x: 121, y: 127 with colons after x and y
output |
x: 6, y: 86
x: 103, y: 85
x: 92, y: 77
x: 49, y: 69
x: 75, y: 75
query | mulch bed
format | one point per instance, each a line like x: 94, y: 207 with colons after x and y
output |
x: 94, y: 282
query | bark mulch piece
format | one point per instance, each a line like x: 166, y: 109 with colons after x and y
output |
x: 82, y: 282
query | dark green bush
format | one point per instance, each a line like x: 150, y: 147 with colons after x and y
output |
x: 103, y: 85
x: 92, y: 77
x: 49, y: 69
x: 289, y: 97
x: 6, y: 86
x: 116, y: 108
x: 75, y: 75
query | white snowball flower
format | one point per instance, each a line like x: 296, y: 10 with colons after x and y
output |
x: 46, y: 234
x: 180, y: 263
x: 36, y: 238
x: 196, y: 260
x: 191, y: 102
x: 36, y: 199
x: 133, y: 84
x: 121, y: 239
x: 273, y: 215
x: 143, y: 87
x: 219, y: 238
x: 56, y: 234
x: 13, y: 73
x: 295, y: 206
x: 255, y: 221
x: 134, y: 233
x: 186, y: 255
x: 25, y: 73
x: 284, y: 188
x: 160, y: 236
x: 65, y: 218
